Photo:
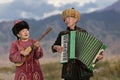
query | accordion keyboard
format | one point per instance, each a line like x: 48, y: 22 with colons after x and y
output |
x: 64, y: 44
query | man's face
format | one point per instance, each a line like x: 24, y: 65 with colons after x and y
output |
x: 70, y: 21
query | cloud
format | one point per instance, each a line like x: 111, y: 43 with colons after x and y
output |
x: 104, y: 3
x: 39, y: 9
x: 5, y: 1
x: 52, y: 13
x: 59, y: 3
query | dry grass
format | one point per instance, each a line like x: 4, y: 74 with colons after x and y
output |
x: 108, y: 69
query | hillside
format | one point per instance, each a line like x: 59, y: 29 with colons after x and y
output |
x: 114, y: 7
x: 105, y: 26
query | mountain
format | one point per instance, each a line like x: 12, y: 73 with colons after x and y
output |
x: 114, y: 7
x: 104, y: 24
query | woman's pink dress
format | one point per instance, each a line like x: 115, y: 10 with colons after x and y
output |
x: 30, y: 70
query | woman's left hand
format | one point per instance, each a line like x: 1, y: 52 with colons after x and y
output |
x: 37, y: 44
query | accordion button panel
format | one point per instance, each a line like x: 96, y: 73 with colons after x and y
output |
x: 64, y: 44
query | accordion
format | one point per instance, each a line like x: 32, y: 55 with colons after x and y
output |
x: 82, y: 46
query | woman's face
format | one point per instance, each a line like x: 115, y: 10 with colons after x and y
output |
x: 23, y: 34
x: 70, y: 21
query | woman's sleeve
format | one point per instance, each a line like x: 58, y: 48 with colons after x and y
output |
x: 15, y: 55
x: 38, y: 53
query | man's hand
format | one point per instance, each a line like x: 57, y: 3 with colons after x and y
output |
x: 100, y: 56
x: 58, y: 48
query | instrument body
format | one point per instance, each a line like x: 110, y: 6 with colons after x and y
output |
x: 82, y: 46
x: 29, y: 49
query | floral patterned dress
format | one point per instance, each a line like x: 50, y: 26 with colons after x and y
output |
x: 30, y: 70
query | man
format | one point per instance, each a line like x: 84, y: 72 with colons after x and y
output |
x: 74, y: 69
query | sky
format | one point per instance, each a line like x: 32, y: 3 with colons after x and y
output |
x: 40, y: 9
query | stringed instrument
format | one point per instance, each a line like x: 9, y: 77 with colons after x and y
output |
x: 30, y: 47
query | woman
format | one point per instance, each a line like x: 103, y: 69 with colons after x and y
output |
x: 25, y: 52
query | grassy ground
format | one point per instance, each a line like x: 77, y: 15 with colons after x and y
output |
x: 104, y: 70
x: 107, y: 70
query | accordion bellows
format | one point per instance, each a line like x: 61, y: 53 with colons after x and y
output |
x: 82, y: 46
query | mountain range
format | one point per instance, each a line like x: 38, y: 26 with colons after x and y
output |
x: 104, y: 24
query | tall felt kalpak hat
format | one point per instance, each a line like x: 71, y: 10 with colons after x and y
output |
x: 18, y: 26
x: 71, y: 12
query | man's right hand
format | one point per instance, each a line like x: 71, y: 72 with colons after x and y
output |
x: 58, y: 48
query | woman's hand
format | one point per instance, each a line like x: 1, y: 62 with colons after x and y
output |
x: 26, y: 51
x: 37, y: 44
